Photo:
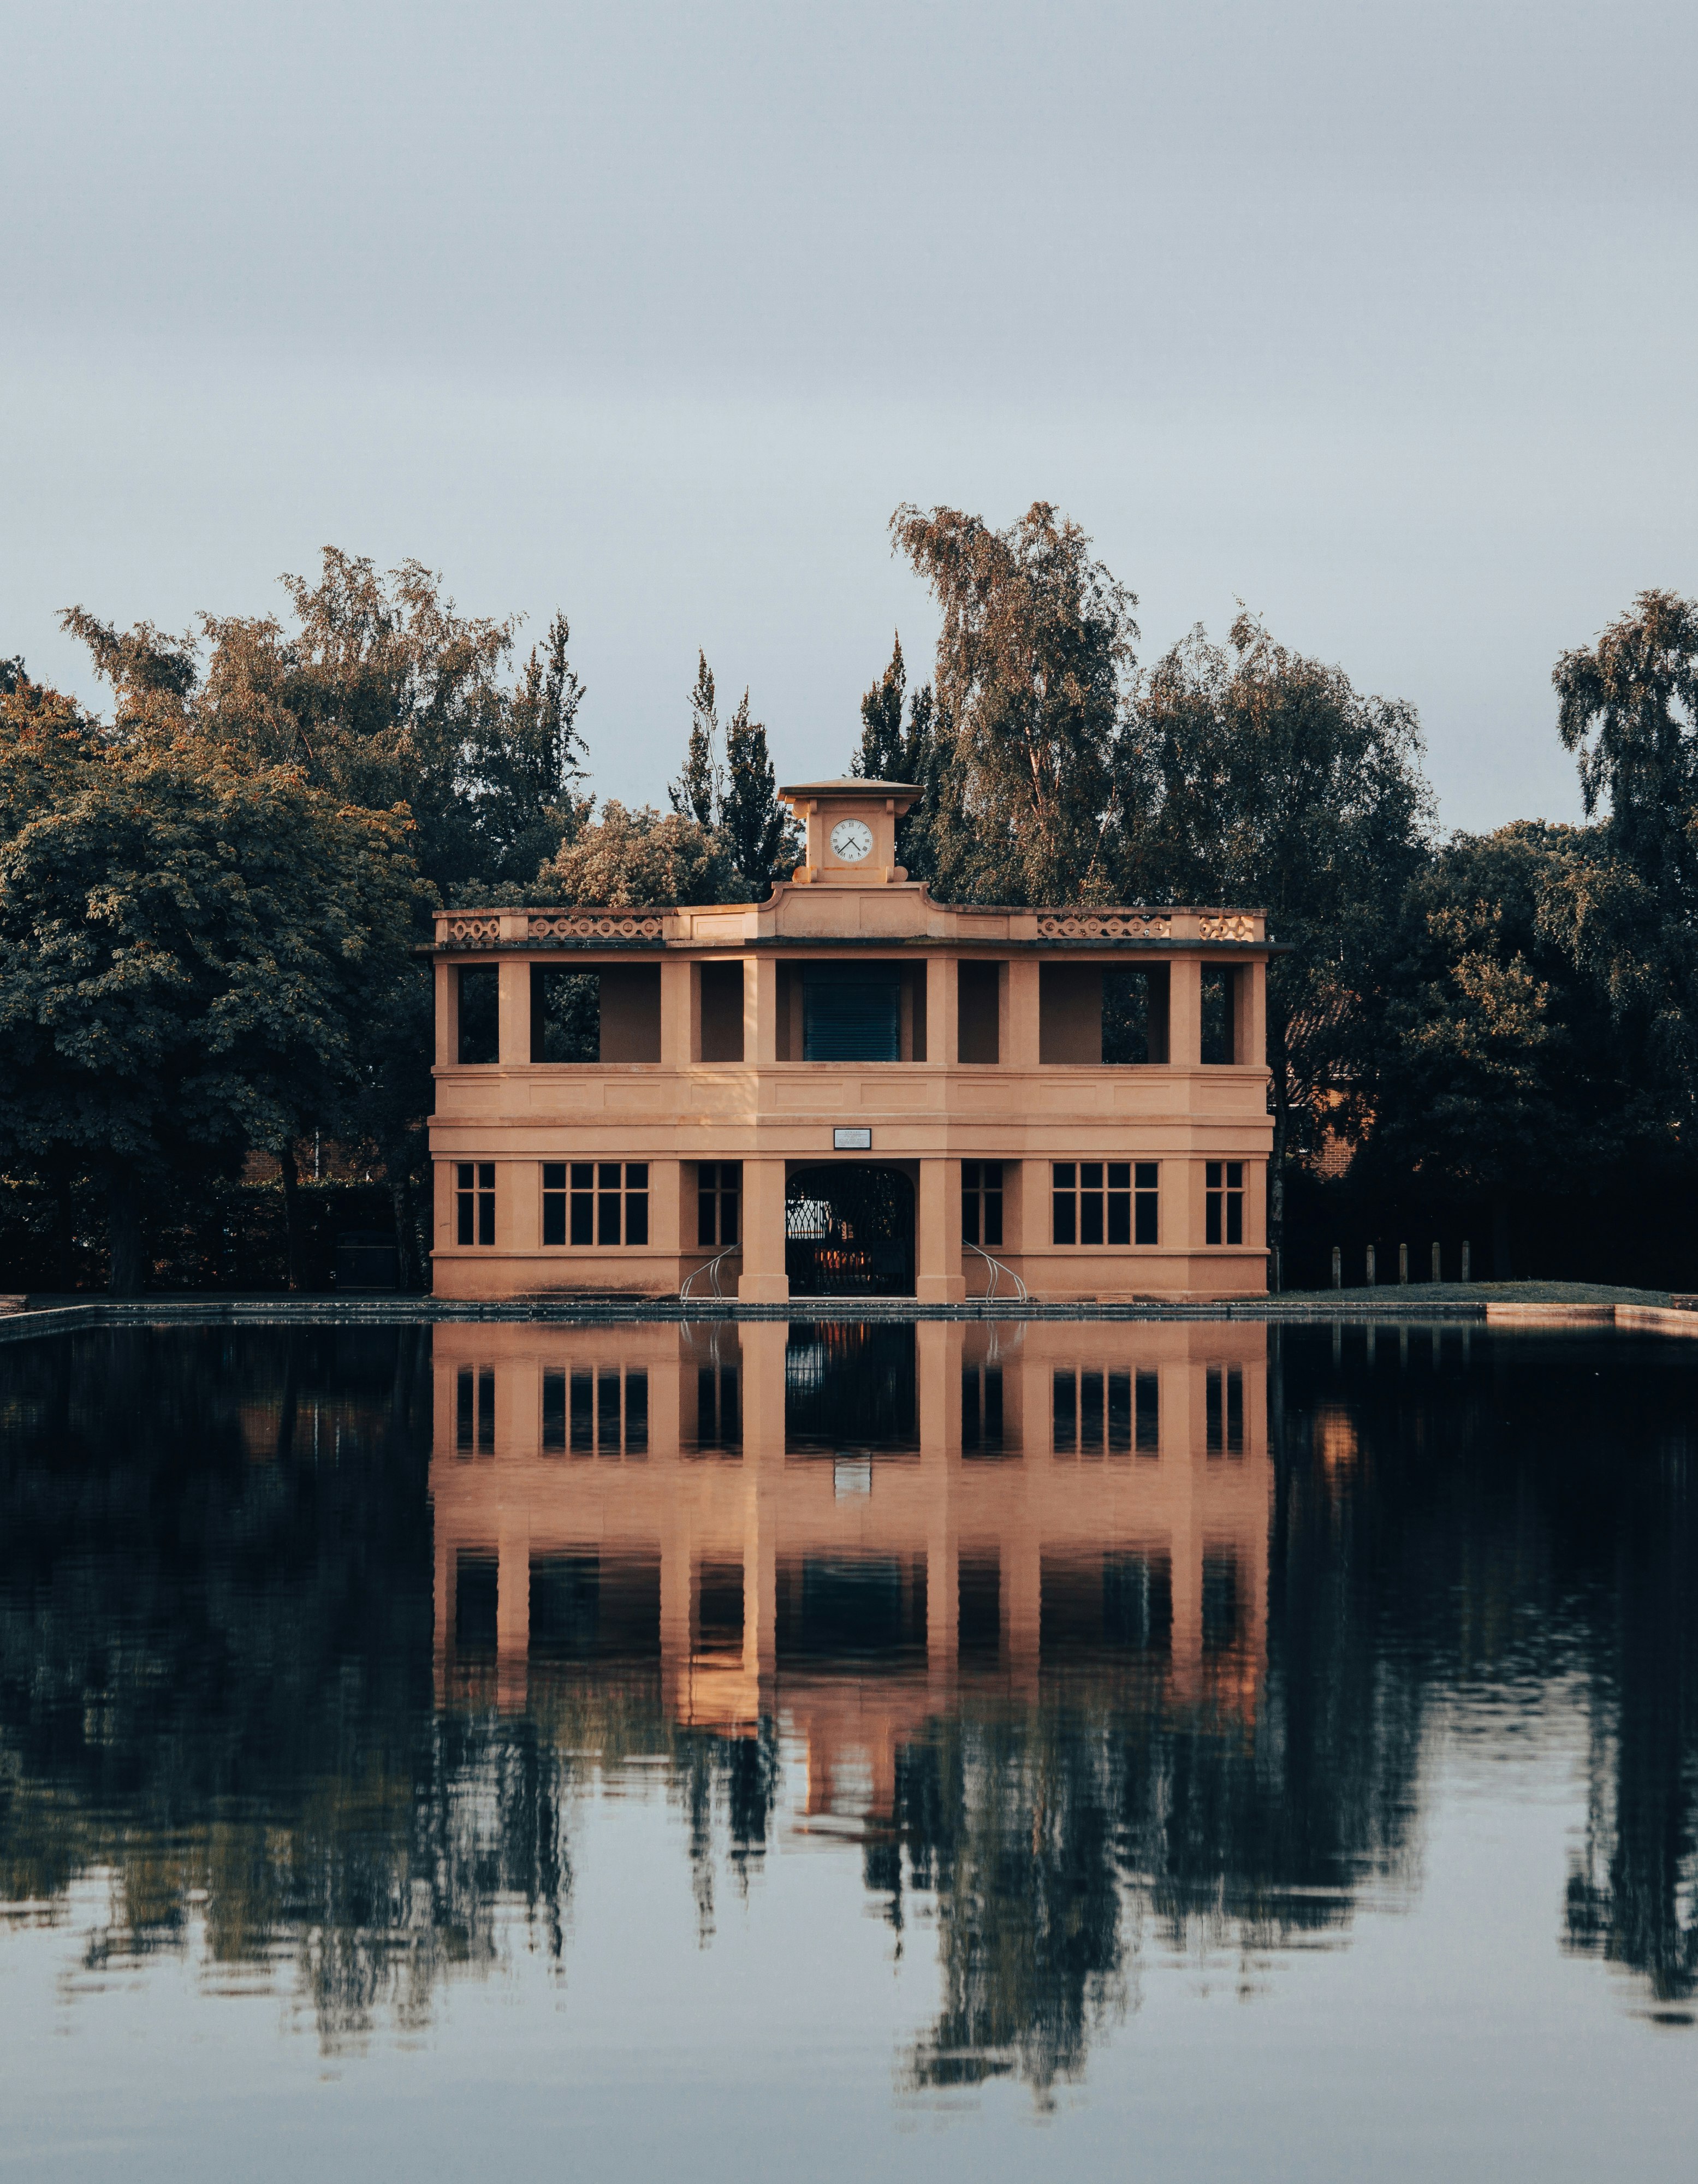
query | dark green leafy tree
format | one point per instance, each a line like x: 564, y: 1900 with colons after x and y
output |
x: 383, y: 692
x: 187, y: 950
x: 1495, y: 1067
x: 1033, y: 677
x: 1629, y: 912
x: 890, y: 750
x: 1274, y: 783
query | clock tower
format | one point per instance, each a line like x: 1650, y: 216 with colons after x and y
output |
x: 851, y: 830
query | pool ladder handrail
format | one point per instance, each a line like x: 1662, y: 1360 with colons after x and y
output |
x: 997, y: 1271
x: 711, y: 1268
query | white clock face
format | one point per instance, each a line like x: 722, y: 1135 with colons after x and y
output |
x: 851, y: 840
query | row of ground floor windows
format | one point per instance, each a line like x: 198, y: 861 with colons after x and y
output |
x: 602, y: 1205
x: 604, y: 1411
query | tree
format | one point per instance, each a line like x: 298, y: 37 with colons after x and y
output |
x: 1629, y: 911
x: 187, y: 950
x: 1033, y: 672
x: 735, y: 798
x: 761, y: 839
x: 1272, y: 782
x: 628, y: 860
x: 889, y: 752
x: 1495, y: 1067
x: 699, y: 789
x: 385, y: 693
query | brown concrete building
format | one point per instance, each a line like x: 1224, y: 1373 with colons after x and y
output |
x: 851, y: 1088
x: 1040, y: 1501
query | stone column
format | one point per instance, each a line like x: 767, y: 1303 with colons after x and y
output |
x: 447, y: 1015
x: 680, y: 1012
x: 1185, y: 1013
x: 762, y: 1369
x: 1020, y: 1048
x: 760, y: 1009
x: 942, y: 1007
x: 939, y: 1345
x: 938, y: 1278
x: 513, y: 986
x: 762, y: 1280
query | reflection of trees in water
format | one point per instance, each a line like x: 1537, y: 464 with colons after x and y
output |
x: 215, y: 1690
x: 215, y: 1680
x: 1054, y: 1840
x: 1529, y: 1525
x: 1633, y: 1894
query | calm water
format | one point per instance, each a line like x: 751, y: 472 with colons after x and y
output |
x: 1180, y: 1750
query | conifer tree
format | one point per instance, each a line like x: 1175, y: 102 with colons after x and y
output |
x: 697, y: 792
x: 889, y: 752
x: 758, y: 833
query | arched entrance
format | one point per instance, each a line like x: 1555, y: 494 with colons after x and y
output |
x: 849, y: 1231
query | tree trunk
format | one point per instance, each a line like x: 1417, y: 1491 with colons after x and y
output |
x: 1501, y: 1251
x: 401, y: 1197
x: 1275, y: 1164
x: 123, y: 1232
x: 294, y: 1242
x: 64, y: 1230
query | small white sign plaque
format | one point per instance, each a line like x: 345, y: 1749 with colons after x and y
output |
x: 852, y: 1141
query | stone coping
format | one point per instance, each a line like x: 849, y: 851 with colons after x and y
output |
x: 20, y: 1325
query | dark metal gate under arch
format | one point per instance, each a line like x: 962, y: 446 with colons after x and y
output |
x: 848, y: 1230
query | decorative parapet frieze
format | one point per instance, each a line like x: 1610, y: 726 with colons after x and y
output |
x: 596, y: 925
x: 1226, y: 925
x: 1103, y: 925
x: 467, y: 929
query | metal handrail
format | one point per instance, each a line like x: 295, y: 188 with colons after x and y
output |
x: 710, y: 1267
x: 997, y: 1270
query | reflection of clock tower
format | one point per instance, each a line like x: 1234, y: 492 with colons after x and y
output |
x: 851, y: 830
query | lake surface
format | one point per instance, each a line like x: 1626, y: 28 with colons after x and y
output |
x: 971, y: 1751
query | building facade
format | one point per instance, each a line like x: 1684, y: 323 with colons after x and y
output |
x: 851, y: 1088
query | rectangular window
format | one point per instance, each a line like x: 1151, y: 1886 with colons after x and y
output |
x: 553, y: 1414
x: 1064, y: 1414
x: 1090, y: 1414
x: 554, y: 1201
x: 475, y: 1410
x: 1064, y: 1227
x: 982, y: 1204
x: 1102, y: 1202
x: 1223, y: 1411
x: 719, y: 1185
x: 982, y: 1410
x: 718, y: 1415
x: 1147, y: 1427
x: 1223, y: 1202
x: 480, y: 1013
x: 1120, y: 1413
x: 583, y: 1412
x: 604, y: 1203
x: 475, y: 1203
x: 1146, y: 1203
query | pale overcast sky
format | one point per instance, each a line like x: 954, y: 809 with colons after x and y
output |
x: 1382, y: 319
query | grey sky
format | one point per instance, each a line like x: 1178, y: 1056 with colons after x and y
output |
x: 1382, y: 319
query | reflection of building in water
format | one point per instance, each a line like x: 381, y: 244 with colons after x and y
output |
x: 850, y: 1526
